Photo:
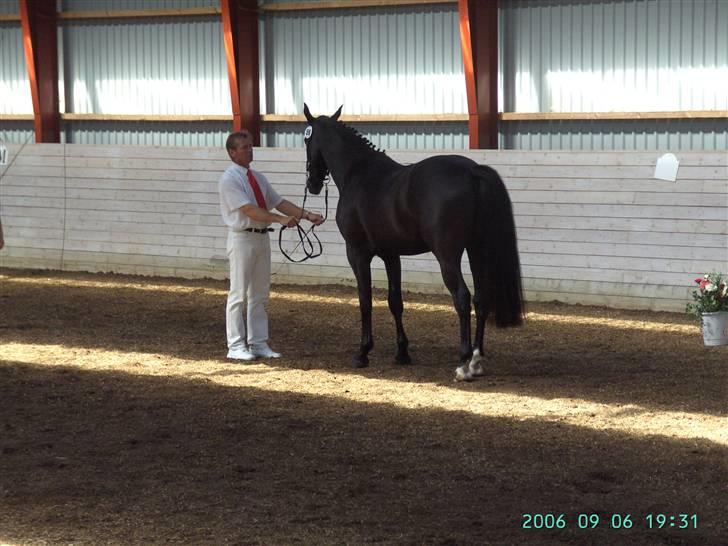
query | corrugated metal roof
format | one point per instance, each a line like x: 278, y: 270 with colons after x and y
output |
x: 124, y: 5
x: 148, y: 133
x: 8, y: 7
x: 673, y: 134
x: 374, y: 61
x: 641, y: 55
x: 148, y: 66
x: 403, y: 60
x: 586, y: 55
x: 14, y: 83
x: 598, y: 56
x: 17, y: 131
x: 450, y: 135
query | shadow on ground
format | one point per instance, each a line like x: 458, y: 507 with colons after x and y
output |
x: 107, y: 457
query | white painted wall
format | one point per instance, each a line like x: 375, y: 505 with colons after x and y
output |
x: 594, y: 227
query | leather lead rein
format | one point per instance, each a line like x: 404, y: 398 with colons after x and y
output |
x: 304, y: 237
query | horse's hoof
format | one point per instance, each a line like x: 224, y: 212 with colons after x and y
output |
x: 403, y: 359
x: 476, y: 364
x: 360, y: 361
x: 462, y: 373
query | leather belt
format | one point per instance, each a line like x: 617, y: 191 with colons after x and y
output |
x: 257, y: 230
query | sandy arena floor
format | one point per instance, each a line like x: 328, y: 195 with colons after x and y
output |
x: 121, y: 422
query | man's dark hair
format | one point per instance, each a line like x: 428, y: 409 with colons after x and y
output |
x: 233, y: 139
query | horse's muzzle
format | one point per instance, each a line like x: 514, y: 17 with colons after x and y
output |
x: 314, y: 187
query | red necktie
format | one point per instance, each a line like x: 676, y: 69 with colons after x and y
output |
x: 256, y: 190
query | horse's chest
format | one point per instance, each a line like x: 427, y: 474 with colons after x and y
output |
x: 358, y: 228
x: 351, y: 226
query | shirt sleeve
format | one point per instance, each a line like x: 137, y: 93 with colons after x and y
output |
x: 232, y: 194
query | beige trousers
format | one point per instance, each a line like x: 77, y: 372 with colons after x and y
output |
x: 249, y: 256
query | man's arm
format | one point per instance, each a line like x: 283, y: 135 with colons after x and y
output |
x: 286, y: 207
x: 261, y: 215
x: 2, y: 240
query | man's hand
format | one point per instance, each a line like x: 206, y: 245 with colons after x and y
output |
x: 315, y: 218
x: 288, y: 221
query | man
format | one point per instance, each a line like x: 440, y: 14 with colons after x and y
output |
x: 246, y: 199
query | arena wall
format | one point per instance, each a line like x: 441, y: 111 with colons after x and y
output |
x: 593, y: 227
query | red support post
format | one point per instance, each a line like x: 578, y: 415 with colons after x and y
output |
x: 240, y: 36
x: 479, y: 44
x: 38, y: 19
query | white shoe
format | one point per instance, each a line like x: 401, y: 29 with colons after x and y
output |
x: 263, y: 351
x: 240, y: 354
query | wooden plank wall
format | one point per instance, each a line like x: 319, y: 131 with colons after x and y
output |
x: 594, y: 227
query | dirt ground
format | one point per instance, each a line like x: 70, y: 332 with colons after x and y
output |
x: 121, y: 422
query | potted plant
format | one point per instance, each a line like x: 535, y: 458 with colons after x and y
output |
x: 710, y: 306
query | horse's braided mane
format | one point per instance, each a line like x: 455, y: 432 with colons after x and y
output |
x: 361, y: 137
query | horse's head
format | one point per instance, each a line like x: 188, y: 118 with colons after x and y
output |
x: 316, y: 168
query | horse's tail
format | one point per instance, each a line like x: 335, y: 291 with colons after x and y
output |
x: 499, y: 249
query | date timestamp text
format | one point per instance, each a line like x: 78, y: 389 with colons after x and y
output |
x: 613, y: 521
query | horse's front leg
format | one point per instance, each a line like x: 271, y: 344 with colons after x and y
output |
x: 361, y: 265
x: 394, y: 276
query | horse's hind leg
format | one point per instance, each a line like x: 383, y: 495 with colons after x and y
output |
x: 394, y: 276
x: 481, y: 304
x: 361, y: 265
x: 453, y: 277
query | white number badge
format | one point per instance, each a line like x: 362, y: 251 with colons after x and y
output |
x: 308, y: 132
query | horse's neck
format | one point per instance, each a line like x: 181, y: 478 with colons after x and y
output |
x: 349, y: 156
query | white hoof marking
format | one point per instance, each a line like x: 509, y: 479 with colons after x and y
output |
x: 462, y: 373
x: 476, y: 364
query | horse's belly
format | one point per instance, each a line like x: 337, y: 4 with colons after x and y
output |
x: 415, y: 251
x: 403, y: 248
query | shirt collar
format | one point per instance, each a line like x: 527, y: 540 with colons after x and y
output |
x: 242, y: 170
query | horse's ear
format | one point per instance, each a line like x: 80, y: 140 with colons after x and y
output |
x: 336, y: 115
x: 307, y: 113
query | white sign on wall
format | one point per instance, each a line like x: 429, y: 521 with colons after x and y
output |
x: 666, y: 168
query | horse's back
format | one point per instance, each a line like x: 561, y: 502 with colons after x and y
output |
x: 444, y: 185
x: 442, y: 169
x: 412, y: 207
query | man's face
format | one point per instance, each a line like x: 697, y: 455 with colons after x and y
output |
x: 242, y: 153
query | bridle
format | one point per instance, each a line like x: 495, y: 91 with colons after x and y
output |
x: 304, y: 236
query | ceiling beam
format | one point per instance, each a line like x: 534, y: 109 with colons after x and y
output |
x: 349, y: 4
x: 240, y: 36
x: 144, y: 13
x: 479, y: 44
x: 38, y: 20
x: 371, y: 118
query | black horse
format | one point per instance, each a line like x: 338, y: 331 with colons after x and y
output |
x: 444, y: 204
